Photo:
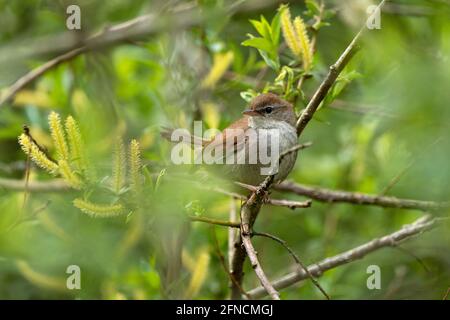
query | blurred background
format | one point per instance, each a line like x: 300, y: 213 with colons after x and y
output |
x: 389, y: 119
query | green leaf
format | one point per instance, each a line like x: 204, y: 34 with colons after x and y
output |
x: 272, y: 63
x: 313, y: 8
x: 259, y: 26
x: 258, y: 43
x: 267, y: 28
x: 275, y: 29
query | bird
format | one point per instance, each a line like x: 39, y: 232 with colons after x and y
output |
x: 254, y: 146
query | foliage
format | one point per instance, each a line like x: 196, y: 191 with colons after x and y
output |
x: 94, y: 123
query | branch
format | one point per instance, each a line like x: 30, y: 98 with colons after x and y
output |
x: 232, y: 233
x: 230, y: 224
x: 249, y: 212
x: 274, y: 202
x: 39, y: 71
x: 247, y: 215
x: 250, y: 209
x: 296, y: 259
x: 330, y: 196
x: 57, y: 185
x: 329, y: 80
x: 391, y: 240
x: 136, y: 28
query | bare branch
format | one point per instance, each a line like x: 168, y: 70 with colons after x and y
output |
x: 58, y: 185
x: 331, y: 196
x: 251, y: 207
x: 391, y: 240
x: 246, y: 216
x: 232, y: 233
x: 274, y: 202
x: 133, y: 29
x: 329, y: 80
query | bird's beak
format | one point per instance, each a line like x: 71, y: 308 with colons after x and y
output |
x: 250, y: 112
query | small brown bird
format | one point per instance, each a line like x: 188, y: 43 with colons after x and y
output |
x: 250, y: 148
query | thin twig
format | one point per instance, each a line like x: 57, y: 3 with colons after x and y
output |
x: 295, y: 257
x: 397, y: 177
x: 39, y: 71
x: 230, y: 224
x: 417, y: 227
x: 446, y: 294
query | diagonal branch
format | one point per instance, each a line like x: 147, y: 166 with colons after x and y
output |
x: 329, y: 80
x: 391, y: 240
x: 133, y: 29
x: 250, y: 208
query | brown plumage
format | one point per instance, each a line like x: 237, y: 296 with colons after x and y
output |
x: 266, y: 112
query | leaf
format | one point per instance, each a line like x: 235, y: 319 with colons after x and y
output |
x: 267, y: 28
x: 258, y: 43
x: 274, y: 64
x: 259, y: 26
x: 276, y: 29
x: 313, y: 8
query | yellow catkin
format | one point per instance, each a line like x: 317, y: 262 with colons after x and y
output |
x: 135, y: 167
x: 221, y: 62
x: 75, y: 143
x: 289, y: 32
x: 119, y: 166
x: 68, y: 174
x: 58, y: 137
x: 36, y: 154
x: 199, y: 274
x: 39, y: 279
x: 302, y: 35
x: 98, y: 210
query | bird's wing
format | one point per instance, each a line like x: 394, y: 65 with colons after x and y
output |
x: 237, y: 132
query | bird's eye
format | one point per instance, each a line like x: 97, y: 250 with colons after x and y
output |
x: 268, y: 110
